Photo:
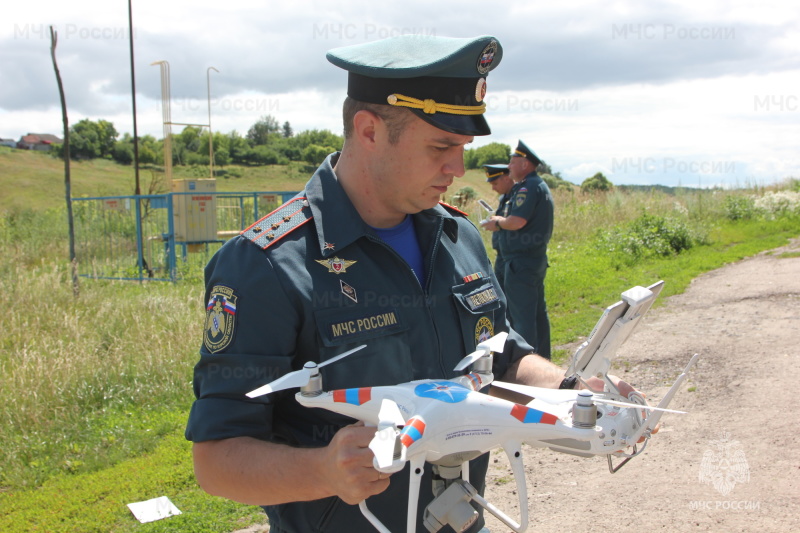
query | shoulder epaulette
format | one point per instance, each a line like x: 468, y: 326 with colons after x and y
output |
x: 278, y: 224
x: 453, y: 209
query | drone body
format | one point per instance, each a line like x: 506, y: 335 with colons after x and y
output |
x: 441, y: 418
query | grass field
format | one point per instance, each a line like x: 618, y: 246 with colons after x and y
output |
x: 96, y: 389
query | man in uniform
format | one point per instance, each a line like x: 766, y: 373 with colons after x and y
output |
x: 502, y: 183
x: 366, y: 254
x: 523, y: 233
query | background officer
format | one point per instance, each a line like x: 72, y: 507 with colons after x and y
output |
x: 524, y: 231
x: 498, y: 175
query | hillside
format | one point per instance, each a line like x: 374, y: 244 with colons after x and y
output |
x: 35, y: 180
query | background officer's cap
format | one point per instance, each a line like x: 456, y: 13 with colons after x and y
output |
x: 523, y: 151
x: 442, y: 80
x: 494, y: 171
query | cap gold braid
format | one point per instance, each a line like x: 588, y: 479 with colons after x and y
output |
x: 430, y: 107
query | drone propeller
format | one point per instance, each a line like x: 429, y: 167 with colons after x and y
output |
x: 554, y: 396
x: 298, y: 378
x: 494, y: 344
x: 385, y: 439
x: 637, y: 405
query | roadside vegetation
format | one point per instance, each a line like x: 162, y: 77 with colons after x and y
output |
x: 96, y: 389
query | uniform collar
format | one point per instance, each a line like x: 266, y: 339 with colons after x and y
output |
x: 530, y: 176
x: 342, y: 225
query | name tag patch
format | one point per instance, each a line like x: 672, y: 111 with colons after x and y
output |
x: 480, y: 298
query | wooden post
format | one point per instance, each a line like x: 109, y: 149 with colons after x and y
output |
x: 72, y: 260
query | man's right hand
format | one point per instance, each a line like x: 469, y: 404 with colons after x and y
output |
x: 349, y: 467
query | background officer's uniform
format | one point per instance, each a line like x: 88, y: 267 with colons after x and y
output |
x: 494, y: 172
x: 524, y: 253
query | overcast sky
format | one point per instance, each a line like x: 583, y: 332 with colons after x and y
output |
x: 697, y: 93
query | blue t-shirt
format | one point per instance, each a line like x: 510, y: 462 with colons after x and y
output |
x: 403, y: 239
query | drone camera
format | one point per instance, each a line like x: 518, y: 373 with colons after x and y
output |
x: 452, y: 508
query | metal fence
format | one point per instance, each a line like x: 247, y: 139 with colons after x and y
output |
x: 161, y: 237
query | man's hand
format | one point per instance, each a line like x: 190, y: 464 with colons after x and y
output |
x: 490, y: 224
x: 348, y: 463
x: 624, y: 389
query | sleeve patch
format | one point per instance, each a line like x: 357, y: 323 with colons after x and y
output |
x: 220, y: 318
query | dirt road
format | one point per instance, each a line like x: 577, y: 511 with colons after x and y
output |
x: 744, y: 321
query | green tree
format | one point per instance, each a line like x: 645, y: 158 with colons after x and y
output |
x: 556, y: 181
x: 259, y: 133
x: 150, y: 150
x: 487, y: 155
x: 470, y: 158
x: 315, y: 154
x: 598, y: 182
x: 107, y: 137
x: 318, y: 137
x: 287, y: 130
x: 238, y: 149
x: 221, y: 147
x: 90, y: 140
x: 123, y: 152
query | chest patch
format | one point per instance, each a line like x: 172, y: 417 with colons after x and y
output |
x: 337, y: 327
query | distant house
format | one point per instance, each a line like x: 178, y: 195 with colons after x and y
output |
x: 38, y: 141
x: 8, y: 142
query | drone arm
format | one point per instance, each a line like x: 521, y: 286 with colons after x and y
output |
x: 474, y: 380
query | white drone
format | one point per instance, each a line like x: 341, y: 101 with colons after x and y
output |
x: 448, y: 422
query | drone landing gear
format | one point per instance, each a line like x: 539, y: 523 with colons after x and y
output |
x: 454, y: 494
x: 417, y: 470
x: 614, y: 469
x: 452, y: 503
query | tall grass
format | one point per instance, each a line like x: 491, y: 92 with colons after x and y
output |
x: 68, y: 365
x: 93, y: 385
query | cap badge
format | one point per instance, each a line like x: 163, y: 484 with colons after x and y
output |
x: 480, y: 90
x: 487, y: 58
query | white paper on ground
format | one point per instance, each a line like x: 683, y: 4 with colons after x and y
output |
x: 152, y: 510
